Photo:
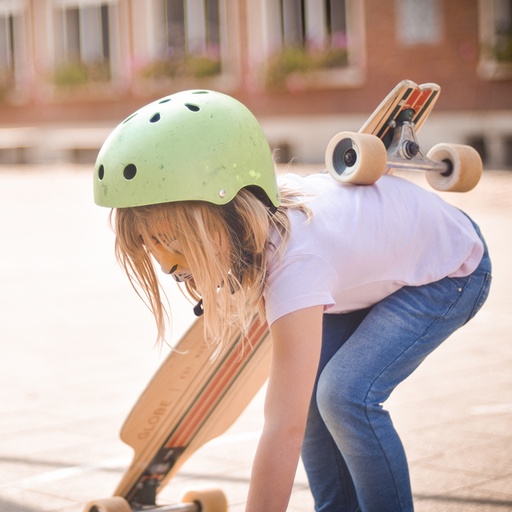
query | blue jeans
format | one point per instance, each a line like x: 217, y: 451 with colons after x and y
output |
x: 353, y: 456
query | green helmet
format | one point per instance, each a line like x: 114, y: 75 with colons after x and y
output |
x: 192, y: 145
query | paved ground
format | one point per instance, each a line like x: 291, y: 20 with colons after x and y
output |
x: 76, y: 348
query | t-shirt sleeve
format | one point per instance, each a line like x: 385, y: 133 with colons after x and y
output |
x: 299, y: 281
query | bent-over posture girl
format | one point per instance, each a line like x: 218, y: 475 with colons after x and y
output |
x: 357, y: 283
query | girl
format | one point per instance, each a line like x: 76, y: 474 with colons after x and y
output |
x: 358, y: 285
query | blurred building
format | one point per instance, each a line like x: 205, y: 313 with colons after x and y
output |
x: 72, y: 69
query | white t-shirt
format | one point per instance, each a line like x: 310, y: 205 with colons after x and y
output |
x: 364, y: 243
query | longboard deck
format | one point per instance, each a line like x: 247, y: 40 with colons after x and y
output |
x: 406, y: 95
x: 189, y: 401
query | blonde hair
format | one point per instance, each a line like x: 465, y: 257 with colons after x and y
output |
x: 229, y: 276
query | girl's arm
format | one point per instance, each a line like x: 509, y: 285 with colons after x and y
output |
x: 296, y: 341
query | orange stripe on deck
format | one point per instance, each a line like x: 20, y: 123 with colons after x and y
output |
x: 411, y: 100
x: 418, y: 99
x: 214, y: 390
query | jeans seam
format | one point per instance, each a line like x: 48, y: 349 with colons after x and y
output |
x: 482, y: 296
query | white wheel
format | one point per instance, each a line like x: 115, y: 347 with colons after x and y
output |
x: 210, y: 500
x: 465, y: 168
x: 357, y: 158
x: 114, y: 504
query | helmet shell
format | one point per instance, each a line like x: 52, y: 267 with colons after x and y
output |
x: 192, y: 145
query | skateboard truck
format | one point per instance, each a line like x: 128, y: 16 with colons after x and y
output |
x: 404, y: 150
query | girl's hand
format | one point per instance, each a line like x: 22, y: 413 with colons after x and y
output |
x: 296, y: 341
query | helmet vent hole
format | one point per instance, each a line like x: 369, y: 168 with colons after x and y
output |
x: 165, y: 100
x: 130, y: 171
x: 155, y: 118
x: 101, y: 172
x: 192, y: 108
x: 200, y: 92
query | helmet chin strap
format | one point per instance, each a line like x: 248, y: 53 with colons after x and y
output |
x: 198, y: 308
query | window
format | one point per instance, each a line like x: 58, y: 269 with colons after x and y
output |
x: 313, y: 24
x: 191, y: 41
x: 419, y: 21
x: 11, y: 45
x: 83, y: 43
x: 308, y: 37
x: 191, y: 26
x: 7, y: 44
x: 502, y: 31
x: 495, y: 39
x: 174, y: 27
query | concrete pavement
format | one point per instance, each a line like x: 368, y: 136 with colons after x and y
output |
x: 77, y: 348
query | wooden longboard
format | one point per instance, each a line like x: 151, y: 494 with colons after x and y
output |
x: 189, y: 401
x: 407, y: 98
x: 387, y: 141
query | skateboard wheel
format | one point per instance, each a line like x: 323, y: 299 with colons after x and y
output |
x: 113, y: 504
x: 209, y: 500
x: 357, y: 158
x: 465, y: 168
